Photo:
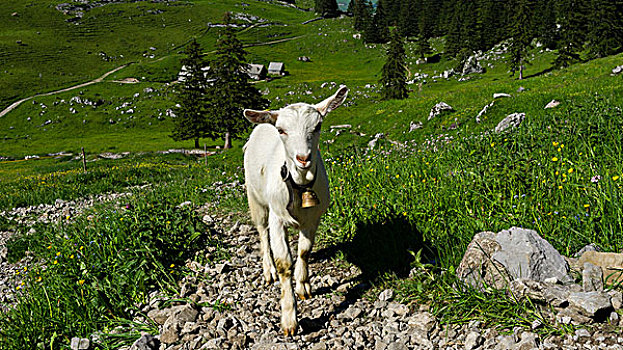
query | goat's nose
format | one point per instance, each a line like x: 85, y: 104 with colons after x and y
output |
x: 303, y: 159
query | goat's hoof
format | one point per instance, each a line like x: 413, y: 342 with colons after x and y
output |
x: 303, y: 290
x: 289, y: 332
x: 304, y: 296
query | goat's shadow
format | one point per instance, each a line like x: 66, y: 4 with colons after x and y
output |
x: 377, y: 249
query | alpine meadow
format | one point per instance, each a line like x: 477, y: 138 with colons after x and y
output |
x: 474, y: 166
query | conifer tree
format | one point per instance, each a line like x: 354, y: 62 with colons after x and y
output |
x: 362, y: 13
x: 326, y: 8
x: 394, y: 74
x: 230, y: 92
x: 373, y: 31
x: 521, y: 36
x: 350, y: 10
x: 422, y: 46
x: 191, y: 122
x: 408, y: 18
x: 545, y: 23
x: 572, y: 32
x: 381, y: 14
x: 454, y: 36
x: 605, y: 32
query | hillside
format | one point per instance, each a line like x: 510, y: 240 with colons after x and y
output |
x: 151, y: 233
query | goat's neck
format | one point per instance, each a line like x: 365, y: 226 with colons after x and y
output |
x: 301, y: 176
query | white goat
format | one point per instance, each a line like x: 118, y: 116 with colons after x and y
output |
x: 282, y: 164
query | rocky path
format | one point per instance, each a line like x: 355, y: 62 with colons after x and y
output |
x: 94, y: 81
x: 231, y: 308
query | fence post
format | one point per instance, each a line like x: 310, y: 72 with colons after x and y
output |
x: 84, y: 161
x: 205, y: 153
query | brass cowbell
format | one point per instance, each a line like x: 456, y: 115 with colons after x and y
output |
x: 309, y: 199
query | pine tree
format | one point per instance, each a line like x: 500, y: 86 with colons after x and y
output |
x: 373, y: 31
x: 361, y: 14
x: 350, y: 10
x: 454, y: 36
x: 572, y: 32
x: 381, y: 13
x: 326, y: 8
x: 191, y: 122
x: 409, y: 18
x: 422, y: 46
x: 230, y: 92
x: 394, y: 75
x: 605, y: 32
x: 521, y: 36
x: 545, y: 23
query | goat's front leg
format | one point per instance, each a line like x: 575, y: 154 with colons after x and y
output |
x: 268, y: 265
x: 301, y: 270
x: 283, y: 263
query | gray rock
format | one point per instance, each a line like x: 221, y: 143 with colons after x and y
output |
x: 587, y: 248
x: 617, y: 70
x: 511, y: 121
x: 472, y: 340
x: 505, y: 342
x: 552, y: 104
x: 386, y: 295
x: 581, y: 333
x: 528, y: 342
x: 500, y: 95
x: 610, y: 263
x: 146, y: 342
x: 592, y: 278
x: 483, y: 111
x: 472, y: 66
x: 525, y: 254
x: 438, y: 109
x: 616, y: 298
x: 477, y: 268
x: 495, y: 259
x: 397, y: 346
x: 80, y: 343
x: 414, y: 126
x: 351, y: 313
x: 592, y: 304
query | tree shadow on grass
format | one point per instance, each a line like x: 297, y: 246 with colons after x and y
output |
x: 538, y: 74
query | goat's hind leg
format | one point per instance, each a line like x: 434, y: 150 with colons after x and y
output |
x: 259, y: 215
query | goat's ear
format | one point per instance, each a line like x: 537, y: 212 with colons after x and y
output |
x: 332, y: 102
x: 259, y: 117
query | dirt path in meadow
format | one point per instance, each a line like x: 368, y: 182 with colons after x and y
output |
x: 94, y: 81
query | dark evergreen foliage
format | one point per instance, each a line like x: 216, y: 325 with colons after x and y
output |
x: 572, y: 20
x: 605, y: 27
x: 394, y: 75
x: 230, y: 92
x: 191, y: 122
x: 326, y: 8
x: 522, y: 33
x: 572, y: 27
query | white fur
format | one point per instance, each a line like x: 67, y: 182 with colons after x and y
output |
x: 279, y: 138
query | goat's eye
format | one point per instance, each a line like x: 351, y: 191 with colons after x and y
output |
x: 281, y: 131
x: 317, y: 129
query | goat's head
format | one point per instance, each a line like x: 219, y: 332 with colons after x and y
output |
x: 299, y: 126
